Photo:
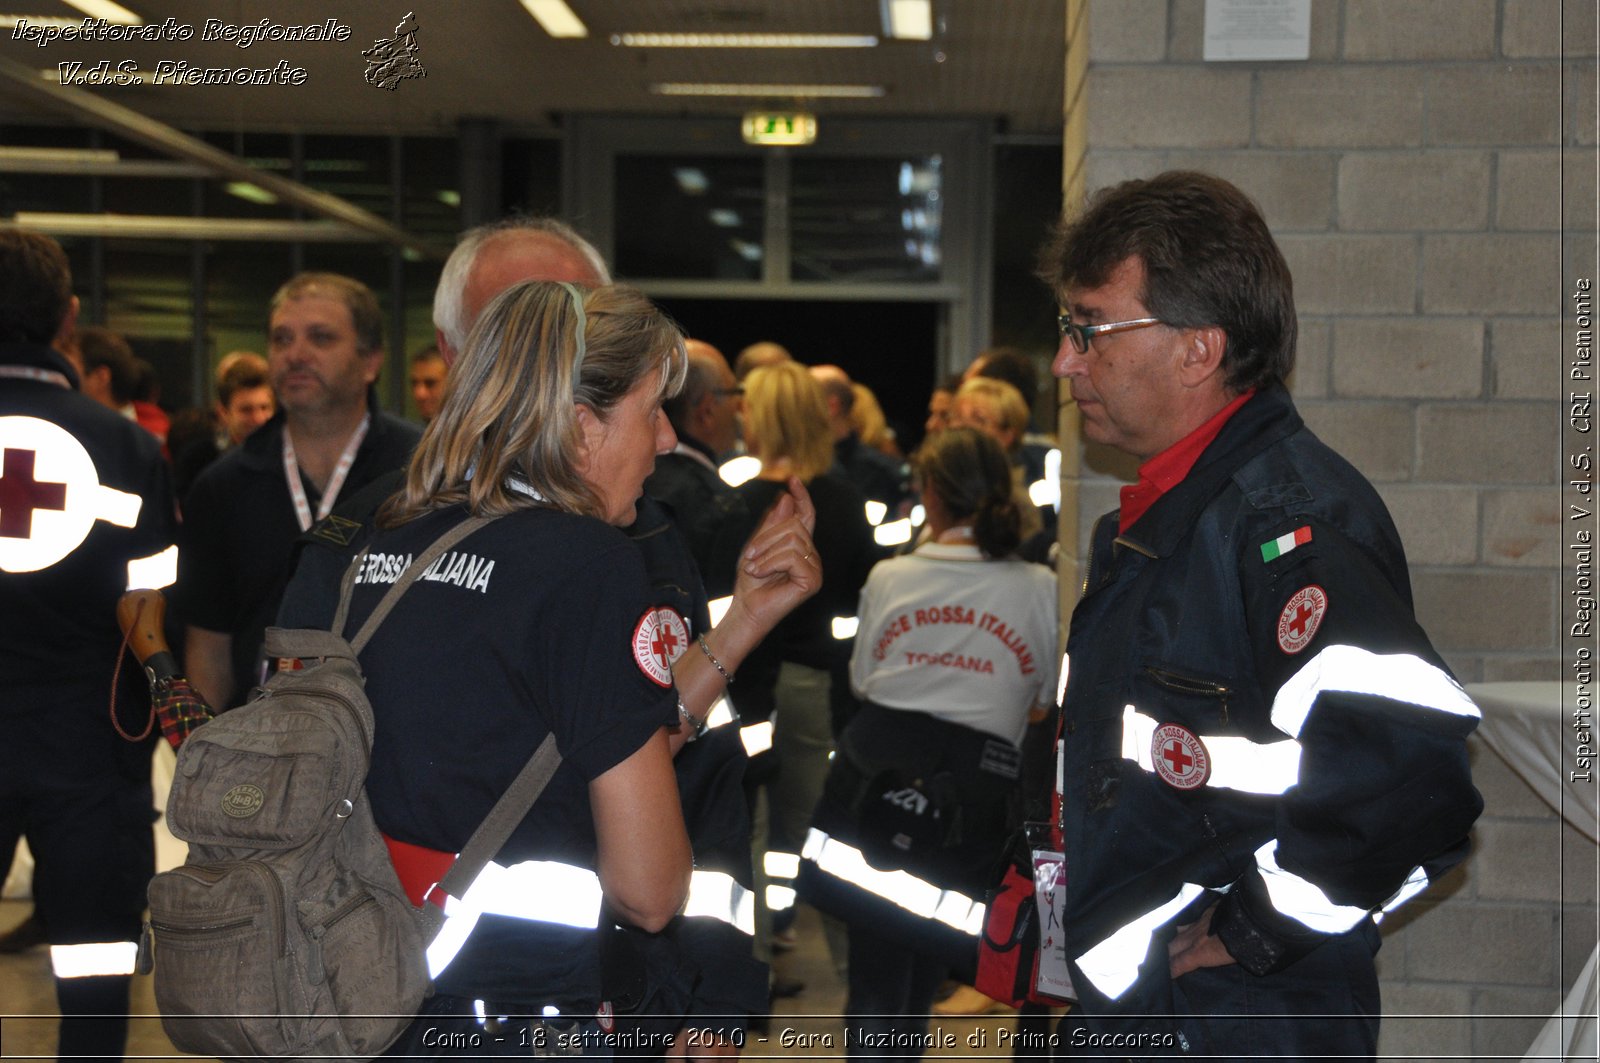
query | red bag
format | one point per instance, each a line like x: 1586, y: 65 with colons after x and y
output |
x: 1008, y: 951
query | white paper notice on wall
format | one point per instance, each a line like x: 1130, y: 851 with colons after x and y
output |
x: 1239, y: 30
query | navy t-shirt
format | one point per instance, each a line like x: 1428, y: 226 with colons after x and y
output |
x: 540, y: 622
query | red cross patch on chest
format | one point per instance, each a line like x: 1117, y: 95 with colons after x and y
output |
x: 1301, y: 617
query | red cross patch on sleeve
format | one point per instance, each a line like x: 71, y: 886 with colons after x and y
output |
x: 1301, y: 617
x: 651, y: 649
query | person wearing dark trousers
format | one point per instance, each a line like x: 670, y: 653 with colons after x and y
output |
x: 955, y: 654
x: 86, y: 513
x: 1263, y: 752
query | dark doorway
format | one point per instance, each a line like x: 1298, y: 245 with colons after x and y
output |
x: 889, y: 347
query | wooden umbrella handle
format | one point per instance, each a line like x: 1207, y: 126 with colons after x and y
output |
x: 140, y: 615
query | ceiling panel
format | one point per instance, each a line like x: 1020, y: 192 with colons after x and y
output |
x: 488, y: 58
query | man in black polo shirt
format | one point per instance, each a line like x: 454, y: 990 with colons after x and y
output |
x: 324, y: 349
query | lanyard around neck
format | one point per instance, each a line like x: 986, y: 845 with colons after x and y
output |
x: 330, y: 494
x: 28, y: 372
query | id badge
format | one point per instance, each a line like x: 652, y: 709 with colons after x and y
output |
x: 1050, y: 897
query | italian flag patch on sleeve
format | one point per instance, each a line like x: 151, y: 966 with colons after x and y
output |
x: 1284, y: 543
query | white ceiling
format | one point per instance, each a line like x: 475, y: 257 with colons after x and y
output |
x: 489, y: 59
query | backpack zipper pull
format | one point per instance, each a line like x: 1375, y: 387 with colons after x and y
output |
x: 316, y: 974
x: 144, y: 960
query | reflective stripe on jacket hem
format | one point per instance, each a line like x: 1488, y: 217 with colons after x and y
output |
x: 1113, y: 965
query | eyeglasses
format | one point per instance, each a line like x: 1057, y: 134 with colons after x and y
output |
x: 1082, y: 334
x: 728, y: 393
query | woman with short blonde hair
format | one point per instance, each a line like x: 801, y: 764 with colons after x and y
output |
x: 786, y: 422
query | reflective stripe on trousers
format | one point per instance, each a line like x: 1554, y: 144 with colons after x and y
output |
x: 547, y: 891
x: 781, y: 869
x: 924, y: 899
x: 94, y: 960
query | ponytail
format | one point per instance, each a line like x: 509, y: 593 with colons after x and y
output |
x: 972, y: 477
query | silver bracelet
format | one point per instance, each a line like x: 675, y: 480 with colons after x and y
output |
x: 706, y: 649
x: 697, y: 727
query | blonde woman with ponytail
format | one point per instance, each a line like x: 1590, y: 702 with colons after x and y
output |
x: 539, y: 623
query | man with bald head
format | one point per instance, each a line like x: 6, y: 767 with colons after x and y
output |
x: 705, y: 415
x: 491, y: 258
x: 758, y: 356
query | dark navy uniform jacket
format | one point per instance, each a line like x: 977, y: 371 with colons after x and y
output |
x: 59, y: 621
x: 1252, y: 708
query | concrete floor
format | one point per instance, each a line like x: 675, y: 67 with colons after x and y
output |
x: 803, y: 1026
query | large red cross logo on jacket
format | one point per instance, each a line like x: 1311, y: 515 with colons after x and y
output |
x: 21, y: 494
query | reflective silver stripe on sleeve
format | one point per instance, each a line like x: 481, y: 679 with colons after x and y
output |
x: 544, y: 891
x: 1113, y: 965
x: 717, y: 895
x: 920, y: 898
x: 1353, y: 670
x: 1414, y: 884
x: 93, y: 960
x: 1301, y: 899
x: 154, y: 572
x: 1236, y: 763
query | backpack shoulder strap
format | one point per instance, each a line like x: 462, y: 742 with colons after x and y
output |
x: 412, y: 573
x: 503, y: 818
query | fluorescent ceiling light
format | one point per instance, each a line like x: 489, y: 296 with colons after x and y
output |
x: 690, y: 88
x: 9, y: 22
x: 744, y: 40
x: 60, y: 156
x: 106, y: 9
x: 727, y: 219
x: 252, y: 193
x: 175, y: 227
x: 908, y: 20
x: 556, y: 17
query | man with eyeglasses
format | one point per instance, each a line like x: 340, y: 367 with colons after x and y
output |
x: 1262, y: 752
x: 706, y: 417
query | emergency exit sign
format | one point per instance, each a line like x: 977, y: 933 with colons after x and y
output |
x: 772, y: 128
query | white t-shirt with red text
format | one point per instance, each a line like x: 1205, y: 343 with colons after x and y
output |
x: 947, y: 632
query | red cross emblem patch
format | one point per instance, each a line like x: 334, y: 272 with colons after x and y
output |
x: 1180, y: 758
x: 51, y: 495
x: 659, y: 638
x: 1301, y: 616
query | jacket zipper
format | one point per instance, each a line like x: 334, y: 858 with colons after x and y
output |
x: 1184, y: 684
x: 1094, y: 537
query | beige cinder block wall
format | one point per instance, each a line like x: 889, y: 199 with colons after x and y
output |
x: 1412, y: 170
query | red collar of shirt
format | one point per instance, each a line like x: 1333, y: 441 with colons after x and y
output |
x: 1167, y: 469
